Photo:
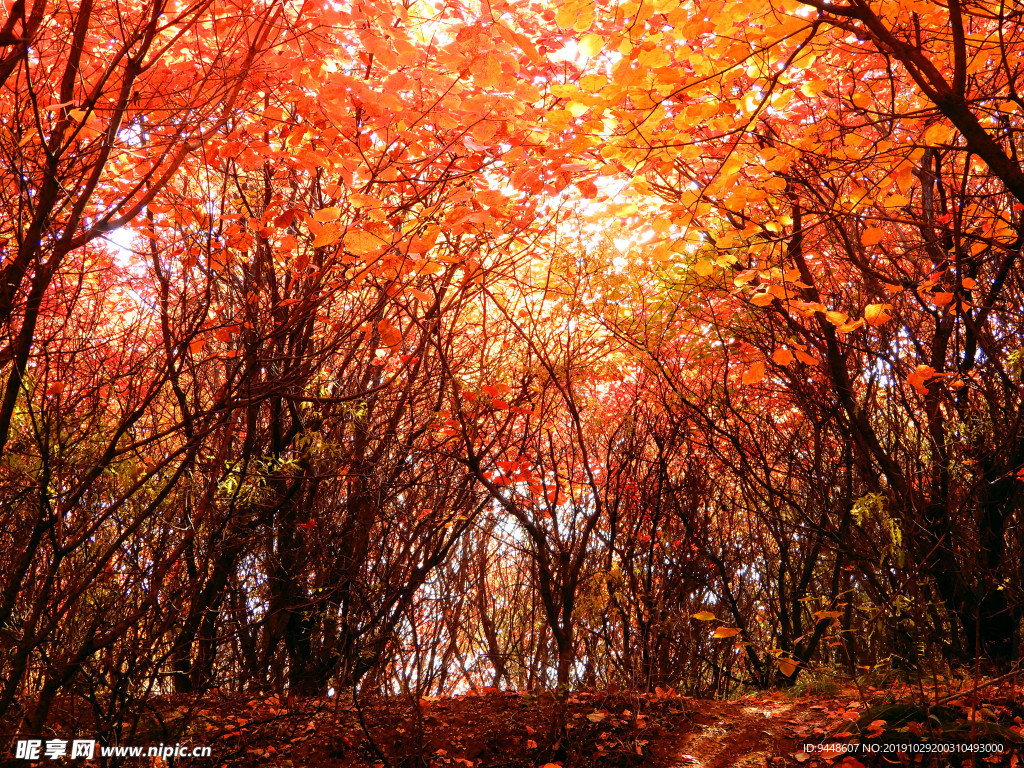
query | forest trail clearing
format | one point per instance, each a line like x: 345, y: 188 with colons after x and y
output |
x: 735, y: 733
x: 509, y: 730
x: 605, y: 729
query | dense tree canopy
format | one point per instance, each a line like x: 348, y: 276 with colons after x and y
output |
x: 420, y: 347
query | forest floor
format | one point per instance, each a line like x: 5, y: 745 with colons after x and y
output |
x: 603, y: 730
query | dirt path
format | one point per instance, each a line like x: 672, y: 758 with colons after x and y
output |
x: 513, y: 730
x: 603, y: 729
x: 744, y: 734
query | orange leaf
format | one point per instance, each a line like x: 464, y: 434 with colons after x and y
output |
x: 918, y: 378
x: 782, y: 357
x: 723, y: 632
x: 813, y: 87
x: 787, y: 666
x: 325, y: 215
x: 328, y: 236
x: 925, y: 371
x: 285, y: 219
x: 877, y: 314
x: 430, y: 268
x: 363, y: 243
x: 872, y: 236
x: 389, y: 334
x: 754, y: 374
x: 744, y: 277
x: 938, y: 134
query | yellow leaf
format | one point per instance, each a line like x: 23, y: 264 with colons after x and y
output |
x: 703, y: 616
x: 558, y: 118
x: 655, y: 58
x: 872, y: 236
x: 704, y: 268
x: 782, y: 357
x: 577, y: 108
x: 836, y: 318
x: 590, y: 45
x: 566, y: 15
x: 744, y: 277
x: 723, y: 632
x: 585, y: 19
x: 813, y: 87
x: 761, y: 299
x: 877, y: 314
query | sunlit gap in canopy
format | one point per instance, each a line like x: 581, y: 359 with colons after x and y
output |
x: 126, y: 258
x: 121, y: 240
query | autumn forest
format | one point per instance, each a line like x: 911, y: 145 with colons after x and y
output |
x: 423, y: 347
